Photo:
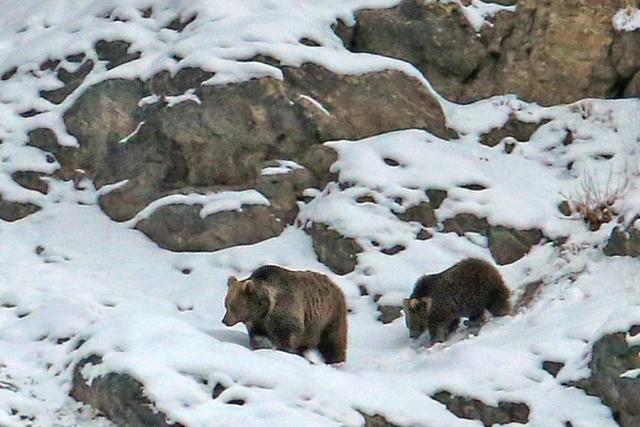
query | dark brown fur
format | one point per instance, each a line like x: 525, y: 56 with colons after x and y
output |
x: 439, y: 300
x: 290, y: 310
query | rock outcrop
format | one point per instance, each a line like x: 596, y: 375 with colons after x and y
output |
x: 544, y: 52
x: 219, y: 138
x: 181, y: 228
x: 504, y: 413
x: 611, y: 357
x: 337, y: 252
x: 13, y: 211
x: 507, y: 245
x: 118, y: 396
x: 624, y: 241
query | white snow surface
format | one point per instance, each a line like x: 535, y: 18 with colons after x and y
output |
x: 627, y: 19
x: 211, y: 203
x: 71, y: 275
x: 284, y: 167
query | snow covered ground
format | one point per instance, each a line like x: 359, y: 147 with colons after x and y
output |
x: 69, y: 274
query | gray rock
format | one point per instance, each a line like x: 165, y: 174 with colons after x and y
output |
x: 118, y: 396
x: 126, y: 201
x: 433, y: 37
x: 514, y: 128
x: 13, y: 211
x: 544, y: 52
x: 424, y: 234
x: 71, y: 81
x: 632, y: 90
x: 504, y: 413
x: 218, y: 393
x: 284, y: 190
x: 364, y: 105
x: 68, y: 157
x: 395, y: 249
x: 100, y: 119
x: 389, y: 313
x: 376, y: 421
x: 223, y: 142
x: 565, y: 208
x: 625, y: 53
x: 436, y: 197
x: 508, y: 245
x: 422, y: 213
x: 31, y: 180
x: 115, y: 52
x: 611, y: 357
x: 623, y: 241
x: 465, y: 223
x: 184, y: 79
x: 552, y: 367
x: 180, y: 227
x: 318, y: 159
x: 337, y: 252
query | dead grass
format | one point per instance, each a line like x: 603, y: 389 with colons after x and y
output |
x: 595, y: 201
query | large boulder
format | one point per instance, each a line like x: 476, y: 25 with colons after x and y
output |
x: 611, y: 357
x: 181, y: 228
x: 474, y: 409
x: 221, y: 137
x: 337, y: 252
x: 625, y: 55
x: 508, y: 245
x: 543, y: 52
x: 224, y: 136
x: 31, y: 180
x: 624, y: 241
x: 465, y: 223
x: 422, y: 213
x: 118, y: 396
x: 13, y: 211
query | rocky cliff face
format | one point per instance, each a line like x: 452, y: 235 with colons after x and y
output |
x: 221, y: 138
x: 544, y: 52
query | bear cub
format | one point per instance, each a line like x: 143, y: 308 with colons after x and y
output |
x: 290, y: 310
x: 439, y: 300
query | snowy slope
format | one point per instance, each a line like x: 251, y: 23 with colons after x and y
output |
x: 70, y: 275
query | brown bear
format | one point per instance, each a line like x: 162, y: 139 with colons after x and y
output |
x: 439, y: 300
x: 290, y: 310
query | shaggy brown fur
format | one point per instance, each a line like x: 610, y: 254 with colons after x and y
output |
x: 439, y: 300
x: 290, y: 310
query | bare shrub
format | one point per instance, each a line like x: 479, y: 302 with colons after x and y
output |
x: 594, y: 201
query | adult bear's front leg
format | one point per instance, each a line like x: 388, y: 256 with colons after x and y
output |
x: 286, y: 332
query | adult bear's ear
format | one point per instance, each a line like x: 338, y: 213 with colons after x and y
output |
x: 248, y: 287
x: 231, y: 281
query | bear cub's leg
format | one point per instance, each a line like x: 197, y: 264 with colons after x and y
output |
x: 439, y: 330
x: 475, y: 322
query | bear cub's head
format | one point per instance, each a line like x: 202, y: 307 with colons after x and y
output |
x: 416, y: 312
x: 244, y: 301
